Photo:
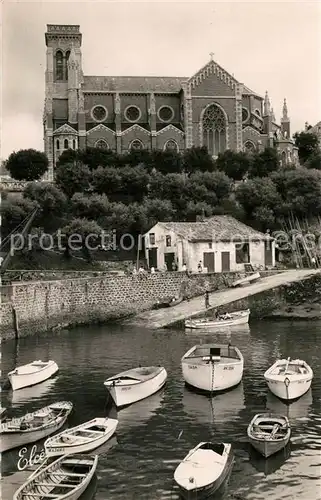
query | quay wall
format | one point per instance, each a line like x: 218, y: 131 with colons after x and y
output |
x: 35, y: 306
x: 297, y: 300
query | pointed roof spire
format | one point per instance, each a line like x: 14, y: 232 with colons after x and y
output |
x: 285, y: 112
x: 72, y: 60
x: 273, y: 115
x: 267, y: 110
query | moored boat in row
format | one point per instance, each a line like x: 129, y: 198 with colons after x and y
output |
x: 34, y: 426
x: 212, y: 367
x: 32, y: 374
x: 85, y: 437
x: 269, y: 433
x: 133, y: 385
x: 64, y: 479
x: 221, y: 321
x: 289, y: 379
x: 203, y: 470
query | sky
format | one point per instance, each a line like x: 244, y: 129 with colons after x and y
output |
x: 272, y: 46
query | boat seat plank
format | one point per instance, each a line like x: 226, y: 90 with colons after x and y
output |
x: 74, y: 474
x: 42, y: 495
x: 89, y: 431
x: 60, y: 485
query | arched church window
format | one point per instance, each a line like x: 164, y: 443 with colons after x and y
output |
x: 101, y: 144
x: 59, y: 65
x: 249, y: 147
x: 66, y: 145
x: 171, y: 145
x: 66, y: 64
x: 245, y: 114
x: 74, y: 143
x: 283, y: 158
x: 57, y: 144
x: 214, y: 130
x: 135, y: 145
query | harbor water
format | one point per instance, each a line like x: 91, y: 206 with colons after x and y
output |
x: 155, y: 434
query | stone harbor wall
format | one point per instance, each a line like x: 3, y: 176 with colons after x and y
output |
x: 35, y: 306
x: 295, y: 301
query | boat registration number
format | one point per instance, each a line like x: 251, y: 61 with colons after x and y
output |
x: 228, y: 367
x: 126, y: 388
x: 192, y: 367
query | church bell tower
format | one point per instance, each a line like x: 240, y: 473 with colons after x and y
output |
x: 62, y: 83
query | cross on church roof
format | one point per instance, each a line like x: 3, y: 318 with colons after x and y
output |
x: 212, y: 55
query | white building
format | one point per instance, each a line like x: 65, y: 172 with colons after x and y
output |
x: 220, y: 243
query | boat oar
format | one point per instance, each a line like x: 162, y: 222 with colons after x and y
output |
x: 180, y: 434
x: 287, y: 365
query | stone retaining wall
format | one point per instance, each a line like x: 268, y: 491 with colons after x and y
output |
x: 46, y: 305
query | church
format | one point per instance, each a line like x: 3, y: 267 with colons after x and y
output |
x: 210, y: 108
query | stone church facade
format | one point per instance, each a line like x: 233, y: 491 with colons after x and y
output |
x: 120, y: 113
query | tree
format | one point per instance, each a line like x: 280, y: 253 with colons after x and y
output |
x: 73, y: 177
x: 307, y: 143
x: 134, y: 184
x: 195, y: 209
x: 81, y: 234
x: 314, y: 161
x: 14, y: 212
x: 89, y: 207
x: 234, y: 165
x: 68, y: 156
x: 166, y: 162
x: 264, y: 163
x: 197, y: 158
x: 27, y: 165
x: 50, y: 199
x: 98, y: 157
x: 254, y: 194
x: 155, y: 210
x: 107, y: 180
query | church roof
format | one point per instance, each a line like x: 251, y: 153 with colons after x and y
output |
x: 170, y: 84
x: 247, y: 91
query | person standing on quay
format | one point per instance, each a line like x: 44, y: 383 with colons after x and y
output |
x: 207, y: 300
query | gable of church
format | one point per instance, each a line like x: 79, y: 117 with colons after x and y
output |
x: 212, y: 80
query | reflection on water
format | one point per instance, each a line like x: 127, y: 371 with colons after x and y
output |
x: 140, y: 412
x: 269, y: 465
x: 298, y: 409
x: 226, y: 406
x: 35, y: 392
x: 154, y: 435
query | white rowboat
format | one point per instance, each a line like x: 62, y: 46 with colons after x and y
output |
x: 33, y: 426
x: 213, y: 367
x: 288, y: 379
x: 136, y: 384
x: 64, y: 479
x: 236, y: 318
x: 203, y: 470
x: 83, y: 438
x: 32, y: 373
x: 269, y: 433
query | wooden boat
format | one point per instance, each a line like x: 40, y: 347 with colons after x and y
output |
x: 33, y: 426
x: 213, y: 367
x: 135, y: 384
x: 203, y: 470
x: 247, y: 280
x: 288, y: 379
x: 64, y: 479
x: 83, y: 438
x: 222, y: 321
x: 269, y: 433
x: 32, y: 374
x: 168, y: 302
